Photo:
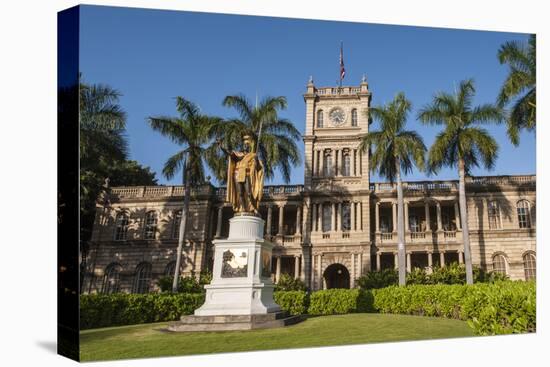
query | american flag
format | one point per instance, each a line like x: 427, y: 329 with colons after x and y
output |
x: 342, y: 70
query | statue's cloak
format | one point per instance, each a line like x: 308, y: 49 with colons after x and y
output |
x: 247, y: 165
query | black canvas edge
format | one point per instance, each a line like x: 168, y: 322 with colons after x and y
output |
x: 68, y: 220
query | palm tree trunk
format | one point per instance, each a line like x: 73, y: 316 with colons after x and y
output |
x: 464, y: 222
x: 401, y: 252
x: 183, y: 228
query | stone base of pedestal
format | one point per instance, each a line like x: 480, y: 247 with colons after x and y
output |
x: 234, y: 322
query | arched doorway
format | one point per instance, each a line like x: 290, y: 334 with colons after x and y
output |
x: 336, y: 276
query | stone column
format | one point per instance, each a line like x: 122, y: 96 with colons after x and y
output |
x: 314, y: 217
x: 298, y: 219
x: 337, y: 162
x: 269, y: 218
x: 278, y: 269
x: 322, y: 163
x: 312, y: 274
x: 430, y: 264
x: 281, y: 218
x: 427, y: 213
x: 361, y: 264
x: 360, y: 219
x: 340, y: 216
x: 409, y: 267
x: 333, y: 217
x: 219, y: 223
x: 442, y: 259
x: 352, y: 280
x: 460, y: 257
x: 439, y: 222
x: 320, y: 217
x: 352, y: 210
x: 302, y: 268
x: 396, y: 260
x: 319, y: 271
x: 296, y: 267
x: 353, y: 172
x: 377, y: 217
x: 394, y: 217
x: 378, y: 266
x: 457, y: 216
x: 406, y: 216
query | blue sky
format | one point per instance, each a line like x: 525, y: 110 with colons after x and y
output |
x: 151, y: 56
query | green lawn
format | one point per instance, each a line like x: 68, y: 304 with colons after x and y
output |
x: 150, y: 340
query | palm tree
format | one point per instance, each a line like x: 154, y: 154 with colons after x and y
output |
x: 102, y: 124
x: 193, y: 131
x: 277, y: 147
x: 520, y: 84
x: 462, y: 143
x: 396, y: 150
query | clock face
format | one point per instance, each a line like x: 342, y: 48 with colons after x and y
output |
x: 337, y: 116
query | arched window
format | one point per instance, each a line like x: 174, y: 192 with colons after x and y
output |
x: 524, y: 219
x: 176, y: 224
x: 150, y: 230
x: 121, y: 226
x: 354, y: 117
x: 346, y: 166
x: 111, y: 279
x: 530, y: 266
x: 327, y: 165
x: 320, y: 118
x: 142, y: 278
x: 499, y: 264
x: 170, y: 268
x: 327, y: 217
x: 493, y: 213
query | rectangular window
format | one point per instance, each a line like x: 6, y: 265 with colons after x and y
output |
x: 493, y: 213
x: 327, y: 217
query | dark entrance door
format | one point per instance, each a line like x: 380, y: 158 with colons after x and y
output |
x: 336, y: 276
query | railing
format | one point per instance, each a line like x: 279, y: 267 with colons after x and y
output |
x: 502, y: 180
x: 418, y: 235
x: 386, y: 236
x: 449, y: 234
x: 345, y: 235
x: 327, y: 91
x: 125, y: 192
x: 453, y: 184
x: 326, y: 236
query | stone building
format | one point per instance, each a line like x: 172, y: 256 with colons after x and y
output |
x: 329, y: 231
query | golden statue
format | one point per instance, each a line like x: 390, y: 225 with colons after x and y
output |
x: 245, y: 179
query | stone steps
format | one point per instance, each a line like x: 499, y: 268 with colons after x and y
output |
x: 234, y: 322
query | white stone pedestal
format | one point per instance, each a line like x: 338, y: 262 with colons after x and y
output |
x: 241, y: 280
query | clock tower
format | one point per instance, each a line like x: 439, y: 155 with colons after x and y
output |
x: 336, y: 184
x: 336, y: 119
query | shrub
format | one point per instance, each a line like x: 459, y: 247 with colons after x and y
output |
x: 101, y: 310
x: 289, y: 283
x: 185, y: 285
x: 453, y: 273
x: 340, y: 301
x: 205, y: 278
x: 418, y: 276
x: 378, y: 279
x: 295, y: 302
x: 498, y: 308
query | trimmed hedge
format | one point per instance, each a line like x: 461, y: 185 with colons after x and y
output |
x: 295, y: 302
x: 498, y: 308
x: 340, y: 301
x: 101, y: 310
